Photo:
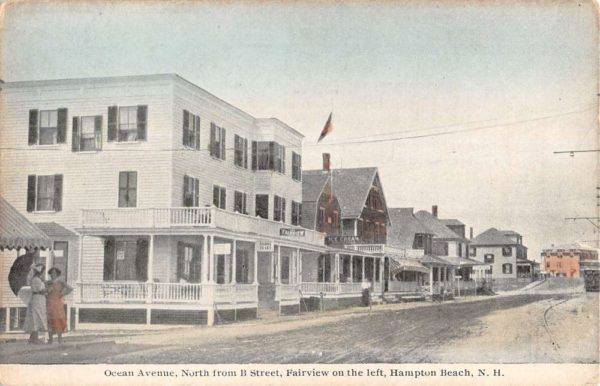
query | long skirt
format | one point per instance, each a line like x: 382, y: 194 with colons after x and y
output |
x: 57, y: 320
x: 35, y: 317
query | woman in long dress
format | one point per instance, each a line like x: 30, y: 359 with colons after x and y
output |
x: 57, y: 290
x: 35, y: 318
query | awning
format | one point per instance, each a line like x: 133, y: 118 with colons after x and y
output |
x: 18, y: 232
x: 398, y: 265
x: 463, y: 261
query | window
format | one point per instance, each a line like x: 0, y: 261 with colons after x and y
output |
x: 335, y: 220
x: 322, y: 220
x: 296, y: 213
x: 219, y: 196
x: 87, y: 133
x: 240, y: 202
x: 127, y: 189
x: 217, y: 141
x: 488, y: 258
x: 188, y: 262
x: 241, y: 152
x: 507, y: 268
x: 279, y: 209
x: 47, y: 127
x: 472, y: 251
x: 44, y: 193
x: 419, y: 242
x: 262, y: 205
x: 125, y: 259
x: 127, y: 124
x: 268, y: 156
x: 296, y: 166
x: 191, y: 130
x: 191, y: 188
x: 506, y: 251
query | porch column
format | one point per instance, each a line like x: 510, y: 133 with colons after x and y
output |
x: 255, y: 281
x: 337, y: 267
x: 211, y: 263
x: 278, y: 270
x: 298, y: 266
x: 205, y: 267
x: 439, y: 274
x: 431, y: 280
x: 151, y: 260
x: 233, y: 262
x: 373, y: 272
x: 80, y: 270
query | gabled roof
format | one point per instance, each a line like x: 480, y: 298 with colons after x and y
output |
x: 492, y: 236
x: 18, y: 232
x: 437, y: 227
x: 313, y: 183
x: 351, y: 187
x: 55, y: 230
x: 404, y: 227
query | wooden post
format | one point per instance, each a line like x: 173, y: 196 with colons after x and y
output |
x: 234, y: 262
x: 255, y: 263
x: 362, y: 267
x: 205, y: 267
x: 80, y: 270
x: 7, y: 321
x: 351, y: 269
x: 211, y: 263
x: 337, y: 268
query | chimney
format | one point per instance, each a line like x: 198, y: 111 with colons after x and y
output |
x: 326, y: 161
x: 471, y: 233
x: 434, y: 210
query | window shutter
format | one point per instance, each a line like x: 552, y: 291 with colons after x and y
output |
x: 142, y: 118
x: 31, y: 180
x: 254, y: 155
x: 186, y: 182
x: 180, y: 259
x: 223, y: 136
x: 186, y: 127
x: 222, y: 200
x: 196, y: 192
x: 75, y: 136
x: 272, y: 155
x: 33, y: 126
x: 98, y: 131
x: 245, y: 153
x: 61, y: 131
x: 113, y: 120
x: 283, y: 159
x: 283, y: 209
x: 212, y: 145
x: 216, y: 196
x: 58, y: 184
x: 197, y: 133
x: 299, y: 167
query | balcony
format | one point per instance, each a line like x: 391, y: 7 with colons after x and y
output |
x: 207, y: 217
x: 384, y: 248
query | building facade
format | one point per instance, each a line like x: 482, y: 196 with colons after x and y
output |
x: 567, y: 260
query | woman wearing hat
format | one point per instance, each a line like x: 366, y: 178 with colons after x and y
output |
x: 35, y: 318
x: 57, y: 290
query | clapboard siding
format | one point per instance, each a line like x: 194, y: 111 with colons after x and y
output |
x: 90, y: 179
x: 92, y: 266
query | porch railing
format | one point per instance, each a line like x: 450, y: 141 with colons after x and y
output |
x: 138, y: 292
x: 403, y: 286
x: 197, y: 217
x: 316, y: 288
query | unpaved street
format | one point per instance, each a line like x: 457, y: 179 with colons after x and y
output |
x: 502, y: 329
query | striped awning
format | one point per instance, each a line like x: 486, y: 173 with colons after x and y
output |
x: 18, y: 232
x: 398, y: 265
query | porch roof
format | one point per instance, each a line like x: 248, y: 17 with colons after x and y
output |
x: 463, y: 261
x: 526, y: 262
x: 18, y: 232
x: 398, y: 265
x: 435, y: 260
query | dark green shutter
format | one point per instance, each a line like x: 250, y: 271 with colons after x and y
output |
x: 58, y: 191
x: 186, y: 127
x: 186, y: 182
x: 33, y: 126
x: 213, y: 139
x: 98, y: 131
x: 61, y: 130
x: 216, y: 196
x: 254, y: 155
x: 283, y: 209
x: 31, y: 180
x: 245, y: 153
x: 283, y: 159
x: 223, y: 198
x: 196, y: 192
x: 272, y: 149
x: 223, y: 136
x: 75, y: 136
x: 142, y: 119
x: 113, y: 121
x: 197, y: 133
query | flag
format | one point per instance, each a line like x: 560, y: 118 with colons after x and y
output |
x: 327, y: 129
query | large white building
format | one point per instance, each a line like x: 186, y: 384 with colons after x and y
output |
x: 175, y: 206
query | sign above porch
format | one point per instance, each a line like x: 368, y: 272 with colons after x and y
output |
x: 342, y: 240
x: 292, y: 232
x: 266, y: 246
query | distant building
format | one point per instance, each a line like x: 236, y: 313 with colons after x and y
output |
x: 566, y: 260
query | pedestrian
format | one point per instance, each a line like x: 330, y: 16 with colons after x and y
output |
x: 366, y: 293
x: 57, y: 290
x: 35, y: 317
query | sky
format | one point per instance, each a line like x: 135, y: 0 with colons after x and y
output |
x: 459, y: 104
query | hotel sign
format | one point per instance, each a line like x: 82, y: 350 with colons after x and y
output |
x: 342, y: 240
x: 266, y: 246
x: 292, y: 232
